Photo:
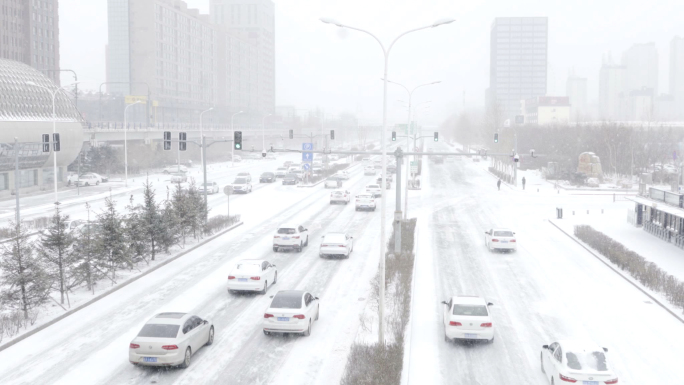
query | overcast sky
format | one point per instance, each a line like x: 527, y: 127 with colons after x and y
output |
x: 322, y: 66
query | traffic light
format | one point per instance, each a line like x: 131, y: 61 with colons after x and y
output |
x: 55, y: 140
x: 496, y: 137
x: 436, y: 136
x: 291, y: 134
x: 46, y: 142
x: 182, y: 137
x: 237, y: 140
x: 394, y: 136
x: 332, y: 134
x: 167, y: 140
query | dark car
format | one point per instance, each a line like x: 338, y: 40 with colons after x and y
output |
x: 267, y: 177
x: 290, y: 179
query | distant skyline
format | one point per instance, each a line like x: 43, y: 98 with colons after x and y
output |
x: 319, y: 65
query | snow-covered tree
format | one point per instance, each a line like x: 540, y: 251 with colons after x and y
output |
x: 111, y: 238
x: 25, y: 285
x: 151, y: 219
x: 135, y: 233
x: 55, y: 248
x: 86, y: 259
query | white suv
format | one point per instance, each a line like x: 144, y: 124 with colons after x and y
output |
x: 290, y: 237
x: 374, y: 189
x: 340, y: 196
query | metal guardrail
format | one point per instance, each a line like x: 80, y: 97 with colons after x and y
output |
x: 664, y: 234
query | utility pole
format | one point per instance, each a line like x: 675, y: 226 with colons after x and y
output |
x: 397, y: 211
x: 17, y: 179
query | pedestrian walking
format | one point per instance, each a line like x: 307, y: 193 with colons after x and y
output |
x: 523, y: 180
x: 498, y: 184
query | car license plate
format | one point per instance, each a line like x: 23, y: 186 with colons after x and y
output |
x: 284, y: 319
x: 149, y: 359
x: 504, y: 241
x: 470, y: 335
x: 590, y: 383
x: 286, y: 238
x: 242, y: 279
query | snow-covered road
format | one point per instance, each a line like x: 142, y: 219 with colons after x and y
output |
x: 550, y: 289
x: 91, y: 347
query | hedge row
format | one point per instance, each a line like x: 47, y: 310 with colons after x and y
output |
x: 647, y: 273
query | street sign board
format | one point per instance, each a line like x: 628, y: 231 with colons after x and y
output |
x: 228, y: 190
x: 130, y: 99
x: 307, y: 157
x: 307, y: 146
x: 306, y: 166
x: 414, y: 167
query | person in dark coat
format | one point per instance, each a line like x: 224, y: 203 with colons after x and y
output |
x: 498, y: 184
x: 523, y: 180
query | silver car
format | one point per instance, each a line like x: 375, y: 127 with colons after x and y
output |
x: 170, y: 339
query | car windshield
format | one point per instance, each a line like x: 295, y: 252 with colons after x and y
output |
x: 159, y: 331
x: 282, y: 169
x: 290, y: 176
x: 338, y: 193
x: 590, y: 361
x: 470, y: 310
x: 267, y: 174
x: 287, y: 301
x: 249, y: 267
x: 208, y: 184
x: 285, y: 230
x: 240, y: 181
x: 503, y: 233
x: 373, y: 186
x: 334, y: 238
x: 363, y: 197
x: 243, y: 174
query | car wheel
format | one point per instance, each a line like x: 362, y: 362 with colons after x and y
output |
x: 267, y: 333
x: 308, y: 331
x: 552, y: 381
x: 541, y: 362
x: 97, y: 183
x: 275, y: 249
x: 210, y: 340
x: 186, y: 361
x: 263, y: 291
x: 307, y: 241
x: 299, y: 249
x: 166, y: 171
x: 275, y: 278
x: 491, y: 341
x: 318, y: 312
x: 356, y: 209
x: 447, y: 339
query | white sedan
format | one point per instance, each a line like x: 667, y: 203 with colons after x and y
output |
x: 340, y: 196
x: 336, y: 245
x: 342, y: 175
x: 88, y: 180
x: 500, y: 239
x: 467, y: 318
x: 291, y: 311
x: 365, y: 202
x: 332, y: 182
x: 241, y: 185
x: 369, y: 170
x: 374, y: 189
x: 281, y: 172
x: 170, y: 339
x: 581, y: 362
x: 252, y: 275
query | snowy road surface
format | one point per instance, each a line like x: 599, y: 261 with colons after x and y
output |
x: 550, y: 289
x: 91, y: 347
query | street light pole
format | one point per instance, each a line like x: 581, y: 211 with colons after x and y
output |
x: 408, y: 125
x: 126, y: 141
x: 381, y: 329
x: 263, y: 132
x: 54, y: 126
x: 202, y: 158
x: 232, y: 149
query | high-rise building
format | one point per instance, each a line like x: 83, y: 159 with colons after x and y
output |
x: 641, y: 61
x: 29, y: 33
x: 576, y: 91
x: 250, y: 25
x: 161, y: 50
x: 677, y: 74
x: 612, y: 91
x: 518, y: 62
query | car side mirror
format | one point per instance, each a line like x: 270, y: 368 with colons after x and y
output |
x: 273, y: 265
x: 315, y: 297
x: 490, y: 304
x: 270, y: 297
x: 545, y: 346
x: 605, y: 350
x: 205, y: 322
x: 445, y: 302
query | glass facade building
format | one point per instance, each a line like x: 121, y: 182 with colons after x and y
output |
x: 518, y: 62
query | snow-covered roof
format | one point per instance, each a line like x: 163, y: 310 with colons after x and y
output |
x: 579, y: 346
x: 24, y: 102
x: 662, y: 206
x: 469, y: 300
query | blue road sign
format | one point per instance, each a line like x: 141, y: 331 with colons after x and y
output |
x: 307, y: 146
x: 307, y: 157
x: 306, y: 166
